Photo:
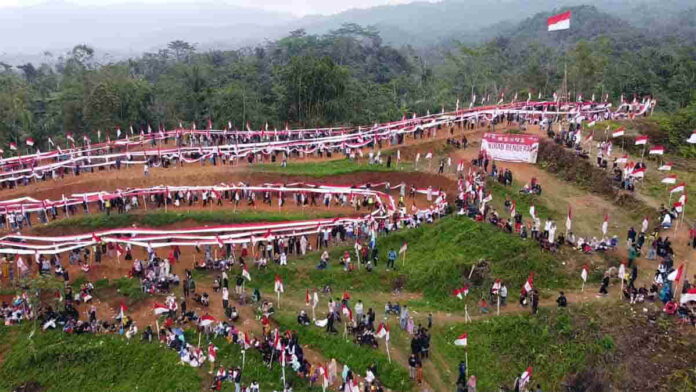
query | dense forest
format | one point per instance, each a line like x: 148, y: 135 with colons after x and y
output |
x: 347, y: 76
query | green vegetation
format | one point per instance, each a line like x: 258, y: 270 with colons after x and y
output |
x: 63, y: 362
x: 358, y: 358
x: 323, y: 169
x: 555, y: 343
x: 439, y: 259
x: 162, y: 218
x: 349, y: 76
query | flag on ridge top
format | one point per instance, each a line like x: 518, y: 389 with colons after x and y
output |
x: 462, y: 340
x: 678, y: 188
x: 657, y: 150
x: 641, y: 140
x: 672, y: 179
x: 665, y: 167
x: 618, y: 132
x: 559, y: 22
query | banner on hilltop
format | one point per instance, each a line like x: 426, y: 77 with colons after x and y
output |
x: 510, y: 147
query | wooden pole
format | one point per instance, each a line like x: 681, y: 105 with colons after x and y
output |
x: 388, y: 353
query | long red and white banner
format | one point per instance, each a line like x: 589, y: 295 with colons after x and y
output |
x: 510, y: 147
x: 220, y: 235
x: 305, y: 141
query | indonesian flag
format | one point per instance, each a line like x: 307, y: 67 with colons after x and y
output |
x: 207, y: 320
x: 641, y: 140
x: 618, y: 132
x: 622, y: 271
x: 584, y: 273
x: 159, y: 309
x: 689, y: 296
x: 529, y: 284
x: 403, y: 248
x: 461, y: 292
x: 245, y: 273
x: 559, y: 22
x: 325, y: 377
x: 30, y: 142
x: 569, y: 219
x: 678, y: 188
x: 95, y: 238
x: 429, y: 155
x: 70, y: 137
x: 461, y: 340
x: 670, y: 179
x: 382, y: 331
x: 665, y: 167
x: 496, y: 286
x: 13, y: 146
x: 591, y: 123
x: 347, y: 312
x: 605, y: 224
x: 278, y: 287
x: 122, y: 310
x: 525, y: 377
x: 623, y: 159
x: 119, y: 250
x: 513, y: 210
x: 532, y: 211
x: 219, y: 241
x: 308, y: 298
x: 657, y: 150
x: 638, y: 173
x: 212, y: 352
x: 677, y: 274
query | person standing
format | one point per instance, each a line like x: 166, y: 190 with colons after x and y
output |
x: 225, y: 298
x: 535, y: 301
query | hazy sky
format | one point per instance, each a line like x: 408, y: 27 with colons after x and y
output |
x: 295, y: 7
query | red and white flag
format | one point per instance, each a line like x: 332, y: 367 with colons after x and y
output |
x: 689, y: 296
x: 559, y: 22
x: 638, y: 173
x: 403, y: 248
x: 278, y: 287
x: 245, y: 273
x: 532, y: 211
x: 122, y: 310
x: 529, y: 284
x: 382, y: 331
x: 605, y: 224
x: 678, y: 188
x: 665, y: 167
x: 569, y: 219
x: 619, y: 132
x: 159, y: 308
x: 461, y: 340
x: 70, y: 137
x: 677, y: 274
x: 584, y: 273
x: 30, y: 142
x: 672, y: 179
x: 641, y: 140
x: 496, y: 286
x: 525, y: 377
x: 13, y: 146
x: 622, y: 159
x: 219, y: 241
x: 461, y: 292
x: 207, y: 320
x: 308, y: 298
x: 657, y: 150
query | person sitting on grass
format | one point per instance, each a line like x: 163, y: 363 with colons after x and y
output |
x: 303, y: 318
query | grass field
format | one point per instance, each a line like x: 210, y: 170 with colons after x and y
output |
x: 65, y: 363
x: 323, y: 169
x: 555, y: 342
x: 162, y: 218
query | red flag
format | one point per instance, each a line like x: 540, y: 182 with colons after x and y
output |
x: 559, y: 22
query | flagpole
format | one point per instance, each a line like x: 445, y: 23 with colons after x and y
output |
x: 466, y: 362
x: 404, y: 259
x: 498, y: 295
x: 388, y: 353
